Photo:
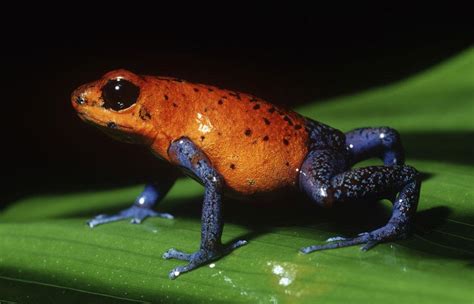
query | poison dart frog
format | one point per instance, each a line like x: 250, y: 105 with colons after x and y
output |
x: 239, y: 145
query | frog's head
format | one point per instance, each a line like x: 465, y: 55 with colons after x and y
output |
x: 114, y: 103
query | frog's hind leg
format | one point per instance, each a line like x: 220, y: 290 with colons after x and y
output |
x: 324, y: 179
x: 142, y: 207
x: 383, y: 142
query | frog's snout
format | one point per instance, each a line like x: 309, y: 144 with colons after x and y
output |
x: 78, y: 98
x: 83, y: 95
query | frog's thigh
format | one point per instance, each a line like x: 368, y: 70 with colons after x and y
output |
x: 325, y: 178
x: 319, y: 167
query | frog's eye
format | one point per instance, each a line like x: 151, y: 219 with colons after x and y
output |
x: 119, y: 94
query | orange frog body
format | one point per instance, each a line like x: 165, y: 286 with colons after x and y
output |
x: 240, y: 145
x: 256, y: 146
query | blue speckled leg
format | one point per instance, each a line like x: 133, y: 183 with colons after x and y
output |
x: 142, y: 208
x: 325, y: 180
x: 192, y: 159
x: 383, y: 142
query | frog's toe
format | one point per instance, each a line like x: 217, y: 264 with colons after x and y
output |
x: 179, y: 270
x: 237, y: 244
x: 369, y: 245
x: 102, y: 219
x: 176, y: 254
x: 195, y: 260
x: 139, y: 217
x: 369, y: 239
x: 136, y: 214
x: 337, y: 242
x: 198, y: 258
x: 336, y: 238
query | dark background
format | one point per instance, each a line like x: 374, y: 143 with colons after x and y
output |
x: 290, y: 59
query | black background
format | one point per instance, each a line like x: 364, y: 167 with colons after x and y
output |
x: 288, y: 58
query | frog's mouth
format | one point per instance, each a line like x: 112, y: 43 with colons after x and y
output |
x: 113, y: 129
x: 117, y: 132
x: 101, y: 123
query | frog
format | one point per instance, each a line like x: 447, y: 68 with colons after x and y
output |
x: 241, y: 146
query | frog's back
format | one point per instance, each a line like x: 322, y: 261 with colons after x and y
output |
x: 256, y: 146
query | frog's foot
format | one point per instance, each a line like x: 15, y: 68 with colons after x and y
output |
x: 198, y: 258
x: 339, y: 242
x: 389, y: 232
x: 136, y: 214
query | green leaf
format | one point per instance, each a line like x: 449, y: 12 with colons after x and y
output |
x: 47, y: 253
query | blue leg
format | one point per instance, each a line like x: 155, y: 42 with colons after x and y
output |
x: 142, y: 208
x: 193, y: 160
x: 381, y: 142
x: 325, y: 180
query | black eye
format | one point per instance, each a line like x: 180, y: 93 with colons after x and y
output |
x: 119, y: 94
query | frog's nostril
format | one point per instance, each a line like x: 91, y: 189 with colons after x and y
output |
x: 80, y: 100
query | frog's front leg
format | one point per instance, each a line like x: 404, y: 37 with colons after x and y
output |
x: 142, y: 207
x: 191, y: 158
